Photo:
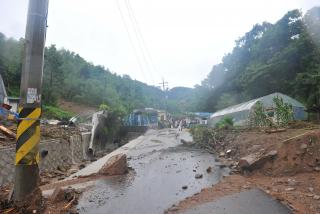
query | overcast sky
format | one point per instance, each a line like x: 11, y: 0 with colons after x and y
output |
x: 182, y: 39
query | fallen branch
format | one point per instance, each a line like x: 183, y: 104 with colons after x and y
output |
x: 295, y: 137
x: 8, y: 210
x: 7, y: 132
x: 70, y: 203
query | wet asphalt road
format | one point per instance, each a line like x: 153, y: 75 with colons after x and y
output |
x: 252, y: 201
x: 162, y: 165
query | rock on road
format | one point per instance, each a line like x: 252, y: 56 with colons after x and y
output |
x: 164, y: 173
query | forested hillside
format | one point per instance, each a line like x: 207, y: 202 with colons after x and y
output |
x: 69, y: 76
x: 281, y: 57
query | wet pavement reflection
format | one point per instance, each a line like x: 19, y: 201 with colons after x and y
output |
x: 161, y: 167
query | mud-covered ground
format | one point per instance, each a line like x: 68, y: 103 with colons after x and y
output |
x: 292, y: 177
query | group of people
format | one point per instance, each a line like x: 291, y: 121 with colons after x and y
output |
x: 180, y: 124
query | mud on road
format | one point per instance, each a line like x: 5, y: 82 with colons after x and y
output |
x: 291, y: 177
x: 164, y: 173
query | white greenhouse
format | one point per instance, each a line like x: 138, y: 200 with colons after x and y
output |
x: 240, y: 113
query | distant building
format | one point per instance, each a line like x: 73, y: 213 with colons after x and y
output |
x: 142, y: 117
x: 14, y: 103
x: 202, y: 117
x: 162, y: 115
x: 240, y: 113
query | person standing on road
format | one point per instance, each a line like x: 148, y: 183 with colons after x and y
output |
x: 180, y: 126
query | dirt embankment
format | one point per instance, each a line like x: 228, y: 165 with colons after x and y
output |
x: 76, y: 107
x: 291, y: 175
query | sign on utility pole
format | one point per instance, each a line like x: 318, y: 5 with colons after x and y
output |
x: 28, y: 133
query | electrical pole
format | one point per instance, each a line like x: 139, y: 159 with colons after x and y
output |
x: 164, y: 84
x: 165, y: 89
x: 28, y: 131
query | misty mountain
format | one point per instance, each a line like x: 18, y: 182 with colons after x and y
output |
x: 280, y: 57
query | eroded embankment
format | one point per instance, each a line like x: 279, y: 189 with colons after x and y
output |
x: 291, y: 175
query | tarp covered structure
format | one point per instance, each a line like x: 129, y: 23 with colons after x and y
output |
x: 240, y: 113
x: 142, y: 117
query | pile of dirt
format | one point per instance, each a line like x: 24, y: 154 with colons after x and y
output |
x: 295, y: 150
x: 62, y: 201
x: 33, y: 204
x: 47, y: 132
x: 256, y: 141
x: 76, y: 107
x: 303, y: 125
x: 291, y: 175
x: 296, y: 155
x: 58, y: 132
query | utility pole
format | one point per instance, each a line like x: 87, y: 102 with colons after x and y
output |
x: 165, y: 89
x: 28, y: 131
x: 164, y: 84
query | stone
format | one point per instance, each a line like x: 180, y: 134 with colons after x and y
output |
x: 69, y: 193
x: 209, y: 169
x: 316, y: 197
x: 185, y: 187
x: 289, y: 189
x: 311, y: 189
x: 292, y: 182
x: 116, y: 165
x: 198, y: 176
x: 303, y: 146
x: 246, y: 187
x: 71, y: 171
x: 57, y: 195
x: 255, y: 161
x: 81, y: 166
x: 222, y: 154
x: 317, y: 169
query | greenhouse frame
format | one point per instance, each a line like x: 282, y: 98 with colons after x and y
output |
x: 240, y: 113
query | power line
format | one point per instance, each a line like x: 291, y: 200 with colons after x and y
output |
x: 135, y: 30
x: 131, y: 40
x: 140, y: 37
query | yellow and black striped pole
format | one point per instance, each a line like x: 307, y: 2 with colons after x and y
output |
x: 28, y: 131
x: 28, y: 136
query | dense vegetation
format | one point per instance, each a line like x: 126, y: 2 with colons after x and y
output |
x: 70, y: 77
x: 281, y: 57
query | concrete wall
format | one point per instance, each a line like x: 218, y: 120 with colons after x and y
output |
x: 6, y: 165
x: 61, y: 153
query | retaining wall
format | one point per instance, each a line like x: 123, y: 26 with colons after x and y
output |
x: 61, y: 153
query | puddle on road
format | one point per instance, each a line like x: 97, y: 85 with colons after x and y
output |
x: 155, y: 184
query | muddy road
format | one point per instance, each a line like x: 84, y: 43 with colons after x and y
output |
x: 164, y: 172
